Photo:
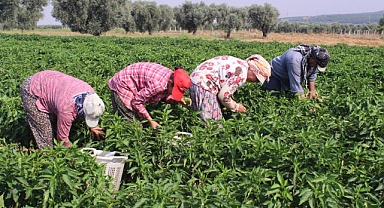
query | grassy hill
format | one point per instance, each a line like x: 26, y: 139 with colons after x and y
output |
x: 358, y: 18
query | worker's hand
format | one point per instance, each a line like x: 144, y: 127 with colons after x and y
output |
x: 242, y: 109
x: 66, y: 142
x: 154, y: 124
x: 314, y: 95
x: 97, y: 132
x: 186, y: 101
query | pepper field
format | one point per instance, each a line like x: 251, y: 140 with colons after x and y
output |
x: 284, y: 152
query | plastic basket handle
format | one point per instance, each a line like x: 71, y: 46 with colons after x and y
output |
x: 184, y: 133
x: 93, y: 151
x: 88, y: 148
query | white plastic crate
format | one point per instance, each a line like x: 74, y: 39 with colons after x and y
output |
x: 114, y: 164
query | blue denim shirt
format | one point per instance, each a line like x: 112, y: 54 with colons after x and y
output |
x: 287, y: 69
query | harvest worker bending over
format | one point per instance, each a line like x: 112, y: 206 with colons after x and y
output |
x: 146, y: 82
x: 215, y: 80
x: 53, y: 100
x: 295, y: 66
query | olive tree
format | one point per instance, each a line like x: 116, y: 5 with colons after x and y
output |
x: 228, y: 19
x: 166, y: 17
x: 319, y: 28
x: 231, y: 22
x: 242, y: 14
x: 93, y: 17
x: 30, y: 11
x: 222, y: 11
x: 146, y: 15
x: 284, y: 27
x: 22, y: 15
x: 336, y: 27
x: 211, y: 16
x: 126, y: 19
x: 191, y: 16
x: 381, y: 23
x: 263, y: 18
x: 8, y: 13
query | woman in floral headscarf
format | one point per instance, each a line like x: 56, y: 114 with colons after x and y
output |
x: 215, y: 80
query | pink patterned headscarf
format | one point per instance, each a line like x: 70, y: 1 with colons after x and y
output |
x: 260, y: 67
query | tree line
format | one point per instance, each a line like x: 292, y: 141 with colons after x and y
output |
x: 99, y: 16
x: 356, y: 19
x: 328, y: 28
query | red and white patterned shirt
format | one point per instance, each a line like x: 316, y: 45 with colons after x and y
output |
x: 221, y: 75
x: 140, y: 83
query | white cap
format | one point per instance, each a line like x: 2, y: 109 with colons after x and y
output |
x: 322, y: 59
x: 93, y: 108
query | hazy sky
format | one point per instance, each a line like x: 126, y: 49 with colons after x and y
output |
x: 287, y: 8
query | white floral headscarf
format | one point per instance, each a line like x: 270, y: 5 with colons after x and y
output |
x: 260, y: 67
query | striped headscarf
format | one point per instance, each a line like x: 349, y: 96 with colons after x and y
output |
x: 79, y: 100
x: 307, y: 51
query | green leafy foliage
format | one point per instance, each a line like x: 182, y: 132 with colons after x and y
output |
x: 284, y: 152
x: 52, y: 178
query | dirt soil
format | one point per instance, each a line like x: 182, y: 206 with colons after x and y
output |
x: 376, y: 40
x: 327, y: 39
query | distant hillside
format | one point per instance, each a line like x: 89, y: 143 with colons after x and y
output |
x: 359, y: 18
